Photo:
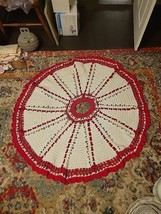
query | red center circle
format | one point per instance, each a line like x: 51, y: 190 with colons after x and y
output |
x: 78, y: 102
x: 82, y: 108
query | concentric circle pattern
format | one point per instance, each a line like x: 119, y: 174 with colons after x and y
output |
x: 81, y: 119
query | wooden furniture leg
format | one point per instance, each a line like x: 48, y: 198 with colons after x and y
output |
x: 42, y: 20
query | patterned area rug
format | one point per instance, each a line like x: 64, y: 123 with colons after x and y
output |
x: 24, y: 191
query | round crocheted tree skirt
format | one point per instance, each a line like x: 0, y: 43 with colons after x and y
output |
x: 79, y: 120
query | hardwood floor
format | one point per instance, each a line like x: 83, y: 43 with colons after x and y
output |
x: 103, y: 25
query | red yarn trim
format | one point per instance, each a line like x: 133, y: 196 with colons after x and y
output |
x: 95, y: 171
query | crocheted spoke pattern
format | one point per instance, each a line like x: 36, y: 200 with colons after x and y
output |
x: 80, y: 119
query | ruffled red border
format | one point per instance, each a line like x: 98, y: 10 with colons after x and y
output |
x: 96, y: 171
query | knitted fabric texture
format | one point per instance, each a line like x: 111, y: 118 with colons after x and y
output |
x: 81, y: 119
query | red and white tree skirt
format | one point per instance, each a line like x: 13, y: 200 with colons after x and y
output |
x: 79, y: 120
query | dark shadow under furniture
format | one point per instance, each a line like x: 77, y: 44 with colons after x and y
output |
x: 9, y: 19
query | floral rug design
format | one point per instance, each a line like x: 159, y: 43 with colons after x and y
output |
x: 24, y: 191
